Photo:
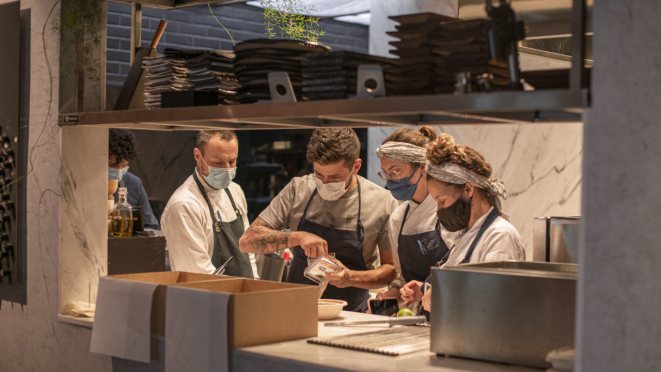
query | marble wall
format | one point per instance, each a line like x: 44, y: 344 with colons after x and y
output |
x: 83, y: 250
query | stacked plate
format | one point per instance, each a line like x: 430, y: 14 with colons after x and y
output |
x: 461, y: 46
x: 433, y: 49
x: 333, y: 75
x: 415, y: 69
x: 256, y: 58
x: 186, y: 70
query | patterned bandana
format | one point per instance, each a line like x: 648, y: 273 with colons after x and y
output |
x: 456, y: 174
x: 402, y: 152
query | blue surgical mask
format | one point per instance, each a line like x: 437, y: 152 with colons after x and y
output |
x: 117, y: 174
x: 219, y: 178
x: 403, y: 190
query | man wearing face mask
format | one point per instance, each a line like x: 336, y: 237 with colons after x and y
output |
x: 331, y: 211
x: 122, y: 151
x: 206, y: 216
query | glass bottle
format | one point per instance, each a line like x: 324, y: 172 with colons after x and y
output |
x: 122, y: 216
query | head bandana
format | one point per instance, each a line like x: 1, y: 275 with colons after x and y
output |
x: 456, y: 174
x: 402, y: 152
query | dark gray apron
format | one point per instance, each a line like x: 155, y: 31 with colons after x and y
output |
x: 226, y: 237
x: 348, y: 248
x: 419, y: 252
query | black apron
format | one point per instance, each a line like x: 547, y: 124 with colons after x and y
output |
x: 226, y: 237
x: 348, y: 248
x: 419, y: 252
x: 490, y: 218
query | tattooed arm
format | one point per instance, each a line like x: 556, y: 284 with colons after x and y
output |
x: 262, y: 238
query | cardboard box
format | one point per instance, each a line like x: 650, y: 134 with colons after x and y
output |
x: 166, y: 278
x: 263, y: 312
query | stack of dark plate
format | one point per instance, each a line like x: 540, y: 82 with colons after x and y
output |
x: 190, y: 70
x: 333, y: 75
x: 461, y: 46
x: 255, y: 59
x: 415, y: 69
x: 433, y: 49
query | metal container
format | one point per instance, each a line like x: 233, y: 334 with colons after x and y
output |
x: 270, y: 267
x: 556, y: 239
x: 510, y: 312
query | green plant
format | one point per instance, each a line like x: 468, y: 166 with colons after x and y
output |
x: 291, y: 19
x: 221, y: 25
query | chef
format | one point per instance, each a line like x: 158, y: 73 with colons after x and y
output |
x: 207, y: 214
x: 468, y: 201
x: 122, y: 150
x: 331, y: 211
x: 418, y: 241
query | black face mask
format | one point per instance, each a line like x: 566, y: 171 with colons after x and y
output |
x: 456, y: 216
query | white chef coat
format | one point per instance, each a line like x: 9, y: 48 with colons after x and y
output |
x: 420, y: 219
x: 500, y: 242
x: 188, y: 227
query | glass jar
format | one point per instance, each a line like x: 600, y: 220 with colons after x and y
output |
x: 122, y: 216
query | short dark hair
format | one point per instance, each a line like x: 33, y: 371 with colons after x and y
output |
x: 204, y: 136
x: 331, y: 145
x: 122, y: 145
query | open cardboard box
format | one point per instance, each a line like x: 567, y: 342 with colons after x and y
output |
x: 263, y: 312
x: 166, y: 278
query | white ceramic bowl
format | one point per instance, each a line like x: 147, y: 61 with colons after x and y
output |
x: 330, y: 309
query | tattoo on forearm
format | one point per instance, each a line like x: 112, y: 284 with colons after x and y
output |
x: 263, y: 239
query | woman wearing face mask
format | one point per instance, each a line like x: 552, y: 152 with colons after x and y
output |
x: 469, y: 203
x: 417, y: 239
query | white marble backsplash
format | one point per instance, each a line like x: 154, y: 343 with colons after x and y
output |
x: 83, y: 219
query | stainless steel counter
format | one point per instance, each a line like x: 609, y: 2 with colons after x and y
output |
x: 300, y: 355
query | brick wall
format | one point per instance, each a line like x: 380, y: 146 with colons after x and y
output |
x: 195, y: 28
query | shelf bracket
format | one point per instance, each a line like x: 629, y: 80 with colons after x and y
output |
x: 370, y: 82
x: 577, y: 74
x: 280, y: 87
x: 136, y: 29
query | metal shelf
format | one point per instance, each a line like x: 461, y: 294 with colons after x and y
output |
x: 478, y: 108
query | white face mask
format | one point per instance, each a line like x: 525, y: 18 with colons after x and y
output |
x: 333, y: 190
x: 219, y: 178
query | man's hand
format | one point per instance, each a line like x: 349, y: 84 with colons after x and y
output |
x: 411, y: 292
x: 341, y: 279
x: 313, y: 245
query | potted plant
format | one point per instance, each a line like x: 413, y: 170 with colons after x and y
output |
x: 291, y: 32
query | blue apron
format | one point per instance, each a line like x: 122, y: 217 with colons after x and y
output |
x: 419, y: 252
x: 348, y: 248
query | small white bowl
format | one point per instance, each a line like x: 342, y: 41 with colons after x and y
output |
x: 330, y: 309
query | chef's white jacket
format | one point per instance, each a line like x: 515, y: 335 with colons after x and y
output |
x: 188, y: 228
x: 420, y: 219
x: 500, y: 242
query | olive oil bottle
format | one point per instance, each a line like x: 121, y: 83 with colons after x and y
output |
x: 122, y: 216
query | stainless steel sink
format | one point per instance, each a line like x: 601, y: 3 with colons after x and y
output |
x: 510, y: 312
x: 525, y: 266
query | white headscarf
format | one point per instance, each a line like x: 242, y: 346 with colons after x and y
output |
x: 456, y: 174
x: 402, y: 152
